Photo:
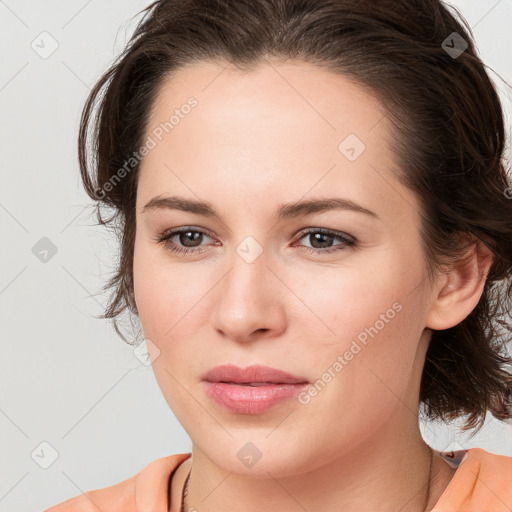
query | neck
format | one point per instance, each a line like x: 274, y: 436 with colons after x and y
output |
x: 387, y: 477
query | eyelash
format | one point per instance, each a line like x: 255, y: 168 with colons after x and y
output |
x: 164, y: 238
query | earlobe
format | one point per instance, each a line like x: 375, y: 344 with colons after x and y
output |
x: 460, y: 288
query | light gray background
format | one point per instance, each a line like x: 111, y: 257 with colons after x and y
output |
x: 67, y: 379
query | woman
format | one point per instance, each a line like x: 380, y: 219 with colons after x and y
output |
x: 316, y: 237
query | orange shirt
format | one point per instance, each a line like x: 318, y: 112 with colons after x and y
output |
x: 481, y: 483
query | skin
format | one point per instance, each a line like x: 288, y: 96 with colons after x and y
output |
x: 255, y: 140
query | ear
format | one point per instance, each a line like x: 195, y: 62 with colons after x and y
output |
x: 459, y: 289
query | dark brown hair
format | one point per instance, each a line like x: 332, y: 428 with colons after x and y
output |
x: 448, y: 139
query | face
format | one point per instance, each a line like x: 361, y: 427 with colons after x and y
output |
x: 337, y: 296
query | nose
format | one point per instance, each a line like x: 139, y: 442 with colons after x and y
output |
x: 249, y: 302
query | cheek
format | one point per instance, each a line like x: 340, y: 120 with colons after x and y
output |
x: 168, y: 296
x: 152, y: 291
x: 348, y: 299
x: 371, y: 317
x: 366, y: 370
x: 165, y: 297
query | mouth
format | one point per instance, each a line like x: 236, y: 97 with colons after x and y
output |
x: 252, y: 390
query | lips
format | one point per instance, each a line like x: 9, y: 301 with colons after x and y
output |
x: 252, y: 390
x: 255, y: 375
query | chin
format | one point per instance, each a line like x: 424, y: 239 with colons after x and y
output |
x: 256, y: 454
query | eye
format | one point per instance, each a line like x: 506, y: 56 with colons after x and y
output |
x: 188, y: 236
x: 188, y: 240
x: 321, y: 240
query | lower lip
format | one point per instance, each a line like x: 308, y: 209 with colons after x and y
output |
x: 246, y: 399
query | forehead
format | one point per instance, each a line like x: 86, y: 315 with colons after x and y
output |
x: 281, y: 129
x: 277, y: 93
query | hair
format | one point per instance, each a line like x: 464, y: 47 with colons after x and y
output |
x: 448, y: 138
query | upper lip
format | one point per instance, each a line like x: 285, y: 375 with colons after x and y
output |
x: 254, y: 373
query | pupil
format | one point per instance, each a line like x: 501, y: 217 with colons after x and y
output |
x: 317, y: 238
x: 188, y: 236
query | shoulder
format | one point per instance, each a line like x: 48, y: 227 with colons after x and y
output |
x: 491, y: 460
x: 495, y: 476
x: 147, y: 490
x: 482, y: 482
x: 492, y: 469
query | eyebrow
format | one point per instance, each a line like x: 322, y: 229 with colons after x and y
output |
x: 284, y: 211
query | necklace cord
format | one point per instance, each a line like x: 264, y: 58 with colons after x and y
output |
x: 429, y: 483
x: 185, y: 492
